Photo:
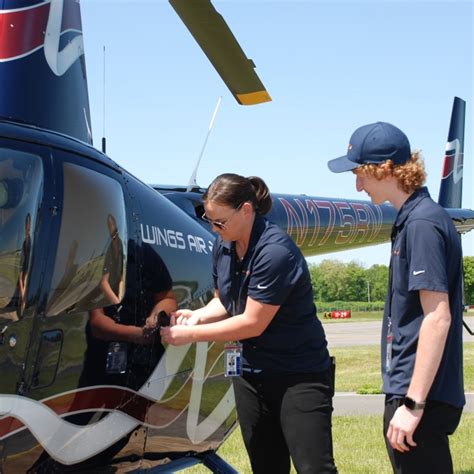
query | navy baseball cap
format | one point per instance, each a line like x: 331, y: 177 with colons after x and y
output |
x: 373, y: 143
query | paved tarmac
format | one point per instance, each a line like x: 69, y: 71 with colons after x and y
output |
x: 345, y: 333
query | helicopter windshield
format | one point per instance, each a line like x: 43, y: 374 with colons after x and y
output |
x: 21, y: 180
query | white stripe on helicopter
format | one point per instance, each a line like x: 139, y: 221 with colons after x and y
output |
x: 70, y: 444
x: 60, y: 61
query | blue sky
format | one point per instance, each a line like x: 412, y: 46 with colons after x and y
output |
x: 330, y: 66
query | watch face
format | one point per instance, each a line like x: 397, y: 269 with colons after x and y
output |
x: 409, y: 403
x: 412, y: 405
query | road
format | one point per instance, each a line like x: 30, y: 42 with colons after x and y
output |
x: 344, y: 333
x: 348, y: 333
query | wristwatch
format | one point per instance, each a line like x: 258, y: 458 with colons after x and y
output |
x: 413, y: 405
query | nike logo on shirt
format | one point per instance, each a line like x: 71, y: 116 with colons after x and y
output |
x: 418, y: 272
x: 261, y: 287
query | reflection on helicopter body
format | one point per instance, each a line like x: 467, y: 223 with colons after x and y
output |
x: 20, y: 184
x: 115, y: 339
x: 122, y: 348
x: 86, y: 353
x: 25, y: 259
x: 113, y: 265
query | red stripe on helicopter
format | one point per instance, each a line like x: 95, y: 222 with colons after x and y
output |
x: 23, y: 31
x: 448, y: 165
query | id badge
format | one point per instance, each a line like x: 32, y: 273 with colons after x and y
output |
x: 116, y: 358
x: 233, y: 359
x: 388, y: 355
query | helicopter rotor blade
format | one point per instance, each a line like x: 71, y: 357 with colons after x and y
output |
x: 223, y: 50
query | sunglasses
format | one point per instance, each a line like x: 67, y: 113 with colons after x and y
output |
x: 221, y: 224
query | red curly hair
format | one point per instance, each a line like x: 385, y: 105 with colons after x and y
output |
x: 411, y: 175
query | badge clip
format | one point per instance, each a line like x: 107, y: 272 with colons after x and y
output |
x: 233, y: 359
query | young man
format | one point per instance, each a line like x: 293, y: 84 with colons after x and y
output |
x: 422, y: 368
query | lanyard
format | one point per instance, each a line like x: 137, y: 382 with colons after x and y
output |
x: 236, y: 273
x: 389, y: 346
x: 393, y: 238
x: 233, y: 349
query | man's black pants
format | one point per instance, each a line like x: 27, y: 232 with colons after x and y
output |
x: 432, y: 454
x: 286, y: 416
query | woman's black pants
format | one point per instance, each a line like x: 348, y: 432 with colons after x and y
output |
x: 285, y: 416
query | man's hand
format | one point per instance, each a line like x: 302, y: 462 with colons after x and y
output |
x: 402, y: 427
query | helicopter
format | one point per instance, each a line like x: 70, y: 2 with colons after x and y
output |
x: 88, y: 252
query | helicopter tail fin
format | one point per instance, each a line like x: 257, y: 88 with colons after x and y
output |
x: 450, y: 192
x: 42, y: 66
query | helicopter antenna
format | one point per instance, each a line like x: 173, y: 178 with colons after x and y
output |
x: 192, y: 181
x: 104, y: 144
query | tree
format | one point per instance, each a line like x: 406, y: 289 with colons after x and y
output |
x: 315, y: 273
x: 330, y: 280
x: 468, y: 280
x: 355, y: 283
x: 333, y: 280
x: 377, y: 275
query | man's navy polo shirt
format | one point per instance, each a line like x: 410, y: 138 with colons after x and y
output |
x: 273, y: 272
x: 426, y: 255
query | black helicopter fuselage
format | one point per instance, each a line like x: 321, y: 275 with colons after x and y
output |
x: 48, y: 355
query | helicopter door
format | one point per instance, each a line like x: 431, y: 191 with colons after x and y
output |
x: 89, y: 271
x: 21, y: 195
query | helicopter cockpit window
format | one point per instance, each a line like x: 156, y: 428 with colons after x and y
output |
x: 89, y: 269
x: 21, y: 181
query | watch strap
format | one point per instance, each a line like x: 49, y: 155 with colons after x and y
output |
x: 413, y: 404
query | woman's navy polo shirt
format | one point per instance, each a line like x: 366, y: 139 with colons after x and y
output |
x: 274, y: 272
x: 426, y: 255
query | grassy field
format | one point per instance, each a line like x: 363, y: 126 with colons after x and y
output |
x: 358, y: 441
x: 358, y: 368
x: 359, y: 447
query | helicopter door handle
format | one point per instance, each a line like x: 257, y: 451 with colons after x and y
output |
x: 2, y: 335
x: 47, y: 358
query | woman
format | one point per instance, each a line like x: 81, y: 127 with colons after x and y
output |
x: 264, y: 299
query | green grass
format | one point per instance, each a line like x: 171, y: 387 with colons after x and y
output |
x: 469, y: 367
x: 358, y: 447
x: 358, y: 368
x: 358, y: 442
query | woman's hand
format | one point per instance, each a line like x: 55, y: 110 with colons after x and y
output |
x: 177, y: 335
x: 151, y: 322
x: 145, y: 336
x: 184, y: 317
